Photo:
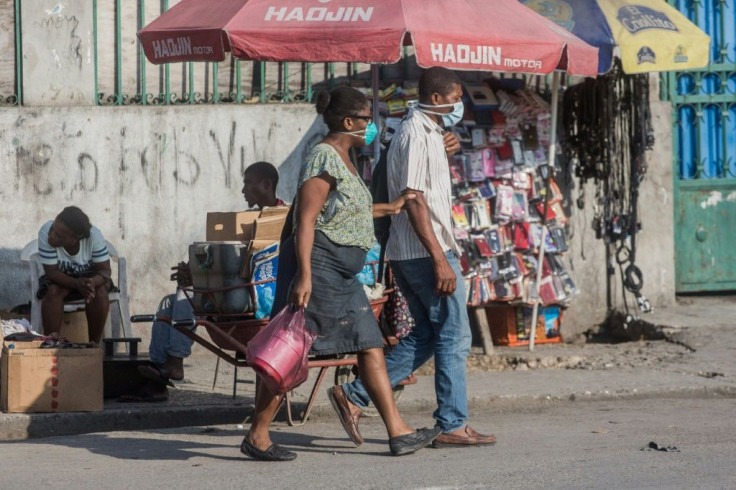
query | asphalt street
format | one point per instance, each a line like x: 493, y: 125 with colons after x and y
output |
x: 563, y: 444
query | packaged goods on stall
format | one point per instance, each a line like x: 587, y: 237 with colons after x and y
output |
x: 498, y: 203
x: 499, y: 187
x: 511, y: 325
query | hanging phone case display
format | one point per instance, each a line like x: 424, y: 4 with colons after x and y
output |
x: 498, y: 182
x: 498, y: 202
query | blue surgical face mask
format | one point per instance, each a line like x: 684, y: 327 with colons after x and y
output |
x: 370, y: 133
x: 451, y: 118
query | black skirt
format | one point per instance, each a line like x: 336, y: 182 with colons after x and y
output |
x: 338, y: 310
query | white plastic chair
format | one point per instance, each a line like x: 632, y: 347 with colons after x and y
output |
x: 29, y: 254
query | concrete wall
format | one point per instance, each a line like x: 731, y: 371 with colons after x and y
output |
x: 655, y: 243
x: 7, y: 49
x: 146, y: 177
x: 58, y: 53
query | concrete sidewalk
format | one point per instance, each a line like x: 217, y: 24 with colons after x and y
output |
x: 698, y: 359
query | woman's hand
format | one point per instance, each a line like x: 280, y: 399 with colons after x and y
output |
x: 302, y: 290
x: 381, y: 210
x: 397, y: 204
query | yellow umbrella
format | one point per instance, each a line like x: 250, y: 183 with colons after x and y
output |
x: 650, y: 35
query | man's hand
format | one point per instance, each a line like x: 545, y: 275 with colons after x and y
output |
x: 452, y: 144
x: 181, y: 274
x: 87, y: 289
x: 446, y: 279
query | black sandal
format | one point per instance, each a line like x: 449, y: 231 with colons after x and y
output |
x: 273, y: 453
x: 156, y: 373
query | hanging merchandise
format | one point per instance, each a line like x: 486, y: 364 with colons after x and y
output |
x: 608, y: 128
x: 498, y: 201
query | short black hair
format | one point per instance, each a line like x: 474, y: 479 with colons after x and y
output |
x: 75, y: 219
x: 339, y: 103
x: 264, y: 170
x: 437, y: 80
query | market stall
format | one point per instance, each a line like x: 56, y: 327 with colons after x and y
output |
x: 469, y: 35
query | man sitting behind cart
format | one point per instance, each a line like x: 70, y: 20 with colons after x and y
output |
x: 168, y: 347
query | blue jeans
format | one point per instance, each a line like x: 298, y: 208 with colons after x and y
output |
x: 442, y: 329
x: 165, y: 340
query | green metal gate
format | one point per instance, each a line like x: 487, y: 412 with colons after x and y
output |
x: 704, y: 148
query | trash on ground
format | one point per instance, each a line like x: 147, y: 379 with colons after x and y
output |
x: 653, y: 446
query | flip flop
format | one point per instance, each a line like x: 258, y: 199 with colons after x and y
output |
x: 156, y: 374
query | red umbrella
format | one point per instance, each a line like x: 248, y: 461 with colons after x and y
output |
x: 476, y: 35
x: 497, y: 35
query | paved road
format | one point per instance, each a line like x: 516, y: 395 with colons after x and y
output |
x: 559, y: 445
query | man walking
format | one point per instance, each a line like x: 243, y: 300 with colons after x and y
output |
x: 424, y: 258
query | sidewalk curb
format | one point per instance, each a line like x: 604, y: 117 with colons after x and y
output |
x: 31, y: 426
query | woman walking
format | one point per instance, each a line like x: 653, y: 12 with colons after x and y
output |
x: 333, y: 230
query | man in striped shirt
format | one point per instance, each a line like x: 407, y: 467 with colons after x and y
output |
x: 425, y: 259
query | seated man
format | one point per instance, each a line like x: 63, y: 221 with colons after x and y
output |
x: 169, y: 347
x: 77, y: 266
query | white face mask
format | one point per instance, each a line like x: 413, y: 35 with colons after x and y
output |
x: 448, y: 119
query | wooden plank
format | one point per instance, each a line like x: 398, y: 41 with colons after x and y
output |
x: 484, y: 330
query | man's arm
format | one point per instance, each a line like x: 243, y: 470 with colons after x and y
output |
x: 418, y: 212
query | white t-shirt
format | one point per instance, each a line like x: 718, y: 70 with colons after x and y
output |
x: 91, y: 250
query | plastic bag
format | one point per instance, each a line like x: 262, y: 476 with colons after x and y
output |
x: 278, y: 353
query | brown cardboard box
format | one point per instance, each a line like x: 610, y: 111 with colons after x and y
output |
x: 74, y: 327
x: 269, y: 228
x: 246, y: 225
x: 50, y: 380
x: 224, y: 227
x: 275, y: 211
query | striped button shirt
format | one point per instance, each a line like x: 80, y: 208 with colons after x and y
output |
x: 417, y: 160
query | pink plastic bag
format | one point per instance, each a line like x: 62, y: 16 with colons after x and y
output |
x: 278, y: 353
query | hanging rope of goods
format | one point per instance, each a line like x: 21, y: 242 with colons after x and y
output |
x: 608, y: 129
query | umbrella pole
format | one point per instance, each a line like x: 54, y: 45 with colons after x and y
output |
x: 550, y: 168
x: 376, y: 118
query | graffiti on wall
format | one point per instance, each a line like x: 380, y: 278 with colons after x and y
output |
x: 156, y: 160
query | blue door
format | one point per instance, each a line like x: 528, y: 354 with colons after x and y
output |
x: 704, y: 137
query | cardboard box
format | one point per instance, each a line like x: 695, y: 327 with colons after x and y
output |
x: 226, y: 227
x: 246, y: 225
x: 50, y: 380
x: 74, y: 327
x: 269, y: 228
